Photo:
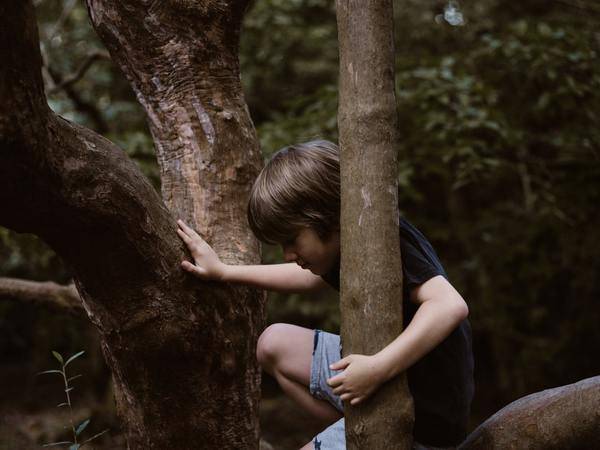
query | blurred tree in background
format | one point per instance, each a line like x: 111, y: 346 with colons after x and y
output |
x: 501, y: 170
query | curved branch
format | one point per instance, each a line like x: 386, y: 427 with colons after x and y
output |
x: 42, y: 292
x: 80, y: 72
x: 566, y: 417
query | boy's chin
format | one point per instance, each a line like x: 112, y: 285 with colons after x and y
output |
x: 315, y: 270
x: 310, y: 269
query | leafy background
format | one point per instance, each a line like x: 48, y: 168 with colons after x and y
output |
x: 499, y: 167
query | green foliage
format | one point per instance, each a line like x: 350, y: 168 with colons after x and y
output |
x: 307, y: 118
x: 288, y: 51
x: 76, y: 430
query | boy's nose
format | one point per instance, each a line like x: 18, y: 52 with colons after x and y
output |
x: 289, y: 255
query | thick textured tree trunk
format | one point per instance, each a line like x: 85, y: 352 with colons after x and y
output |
x: 181, y: 59
x: 563, y: 418
x: 371, y: 268
x: 181, y: 352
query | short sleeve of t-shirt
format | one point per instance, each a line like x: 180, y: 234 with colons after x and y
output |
x: 419, y: 260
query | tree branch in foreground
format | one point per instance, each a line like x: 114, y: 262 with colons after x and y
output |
x: 42, y: 293
x: 566, y: 417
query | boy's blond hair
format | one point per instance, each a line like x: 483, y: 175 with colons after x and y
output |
x: 299, y: 187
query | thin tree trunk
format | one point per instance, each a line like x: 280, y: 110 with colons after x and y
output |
x: 181, y: 352
x: 371, y: 268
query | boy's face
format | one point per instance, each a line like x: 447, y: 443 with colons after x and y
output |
x: 311, y: 252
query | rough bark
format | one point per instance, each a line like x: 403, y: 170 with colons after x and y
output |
x: 48, y: 293
x: 181, y: 352
x: 563, y: 418
x: 371, y: 271
x: 181, y: 59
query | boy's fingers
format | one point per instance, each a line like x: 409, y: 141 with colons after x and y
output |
x: 341, y: 364
x: 188, y: 266
x: 356, y: 401
x: 335, y: 381
x: 183, y: 236
x: 181, y: 230
x: 188, y: 234
x: 345, y: 397
x: 339, y: 390
x: 188, y: 230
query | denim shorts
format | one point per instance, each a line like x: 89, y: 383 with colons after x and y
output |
x: 326, y: 351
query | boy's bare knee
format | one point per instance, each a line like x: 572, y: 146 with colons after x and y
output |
x: 269, y: 347
x: 309, y: 446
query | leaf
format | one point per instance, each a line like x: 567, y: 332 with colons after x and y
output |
x: 73, y: 377
x: 57, y: 443
x: 95, y: 436
x: 60, y: 405
x: 58, y: 356
x: 81, y: 427
x: 76, y: 355
x: 544, y: 29
x: 50, y: 371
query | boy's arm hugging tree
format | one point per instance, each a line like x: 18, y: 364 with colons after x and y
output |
x: 441, y: 309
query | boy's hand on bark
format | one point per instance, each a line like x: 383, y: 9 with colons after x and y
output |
x: 207, y: 265
x: 361, y: 376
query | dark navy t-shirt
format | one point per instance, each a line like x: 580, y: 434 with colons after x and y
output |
x: 441, y: 382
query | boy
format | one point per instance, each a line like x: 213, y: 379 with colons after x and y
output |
x: 295, y: 202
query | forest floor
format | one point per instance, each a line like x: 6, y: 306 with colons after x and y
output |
x: 29, y: 417
x: 31, y: 420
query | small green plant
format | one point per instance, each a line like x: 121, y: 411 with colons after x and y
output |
x: 75, y: 444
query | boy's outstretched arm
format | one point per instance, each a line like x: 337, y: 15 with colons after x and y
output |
x: 441, y: 310
x: 274, y: 277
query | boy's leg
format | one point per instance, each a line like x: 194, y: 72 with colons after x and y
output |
x: 285, y: 351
